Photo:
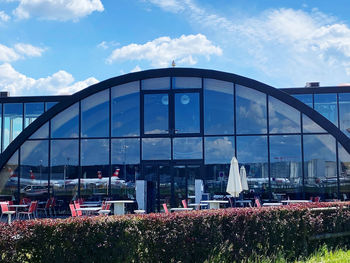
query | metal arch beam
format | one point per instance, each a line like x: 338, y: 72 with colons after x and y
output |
x: 175, y: 72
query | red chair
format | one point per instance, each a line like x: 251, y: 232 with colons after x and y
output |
x: 77, y: 206
x: 165, y: 209
x: 184, y: 203
x: 53, y: 206
x: 317, y: 199
x: 72, y: 210
x: 5, y: 211
x: 257, y: 202
x: 11, y: 208
x: 46, y: 208
x: 31, y: 210
x: 24, y: 201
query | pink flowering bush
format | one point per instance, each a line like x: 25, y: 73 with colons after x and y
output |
x: 235, y: 233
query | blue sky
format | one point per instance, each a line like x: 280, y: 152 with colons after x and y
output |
x: 62, y: 46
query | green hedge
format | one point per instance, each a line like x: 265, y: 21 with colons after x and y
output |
x: 232, y: 234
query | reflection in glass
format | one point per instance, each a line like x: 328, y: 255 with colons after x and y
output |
x: 32, y: 111
x: 282, y: 117
x: 286, y: 170
x: 218, y: 107
x: 344, y: 172
x: 180, y: 185
x: 95, y: 115
x: 188, y: 148
x: 309, y: 126
x: 49, y: 105
x: 219, y: 149
x: 156, y: 83
x: 64, y: 169
x: 326, y: 104
x: 216, y: 177
x: 156, y: 149
x: 9, y: 179
x: 187, y: 83
x: 320, y: 166
x: 304, y: 98
x: 252, y: 153
x: 126, y: 110
x: 95, y: 168
x: 344, y: 112
x: 13, y: 122
x: 187, y: 114
x: 66, y: 123
x: 42, y: 132
x: 34, y: 168
x: 250, y: 111
x: 156, y: 114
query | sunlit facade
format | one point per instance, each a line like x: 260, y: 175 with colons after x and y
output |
x: 172, y: 126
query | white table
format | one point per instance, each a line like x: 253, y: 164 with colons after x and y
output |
x: 244, y: 202
x: 295, y: 201
x: 89, y: 210
x: 272, y: 204
x: 180, y: 209
x: 17, y: 206
x: 119, y: 206
x: 214, y: 204
x: 197, y: 205
x: 90, y: 205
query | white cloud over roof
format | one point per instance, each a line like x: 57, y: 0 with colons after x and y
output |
x: 19, y: 51
x: 61, y: 10
x: 58, y: 83
x: 161, y: 51
x: 4, y: 17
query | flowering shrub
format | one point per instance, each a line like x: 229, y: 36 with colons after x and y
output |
x: 239, y: 233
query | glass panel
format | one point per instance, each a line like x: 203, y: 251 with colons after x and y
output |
x: 309, y: 126
x: 42, y: 132
x: 252, y: 153
x: 94, y: 181
x: 282, y: 117
x: 156, y: 149
x: 0, y: 125
x: 156, y: 84
x: 344, y: 112
x: 32, y: 111
x: 34, y: 169
x: 250, y: 111
x: 125, y: 167
x: 344, y: 172
x: 49, y: 105
x: 9, y: 179
x: 187, y: 83
x: 286, y: 169
x: 13, y: 122
x: 216, y: 177
x: 219, y: 149
x: 187, y: 114
x: 126, y: 110
x: 188, y: 148
x: 164, y: 184
x: 304, y: 98
x: 66, y: 123
x: 326, y: 104
x: 193, y: 173
x: 320, y: 166
x: 95, y: 115
x: 64, y: 170
x: 218, y: 107
x: 180, y: 185
x: 156, y: 114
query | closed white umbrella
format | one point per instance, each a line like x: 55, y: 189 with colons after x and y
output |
x: 234, y: 186
x: 243, y: 175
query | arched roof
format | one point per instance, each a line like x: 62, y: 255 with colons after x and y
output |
x: 175, y: 72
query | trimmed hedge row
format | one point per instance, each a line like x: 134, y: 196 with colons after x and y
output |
x: 234, y: 234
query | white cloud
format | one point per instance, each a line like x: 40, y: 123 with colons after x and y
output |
x: 107, y: 44
x: 4, y: 17
x: 161, y: 51
x: 60, y: 82
x: 286, y: 45
x: 61, y: 10
x: 103, y: 45
x: 136, y: 69
x: 20, y: 51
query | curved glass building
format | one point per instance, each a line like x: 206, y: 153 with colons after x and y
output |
x: 170, y: 127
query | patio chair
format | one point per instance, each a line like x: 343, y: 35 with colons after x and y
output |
x: 317, y: 199
x: 257, y: 202
x: 31, y: 210
x: 165, y: 209
x: 72, y: 210
x: 105, y: 210
x: 53, y: 206
x: 77, y: 206
x: 184, y: 203
x: 5, y: 211
x: 46, y: 208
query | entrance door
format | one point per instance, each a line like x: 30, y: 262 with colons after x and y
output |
x: 158, y: 179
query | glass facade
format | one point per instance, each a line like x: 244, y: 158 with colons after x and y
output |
x: 171, y: 131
